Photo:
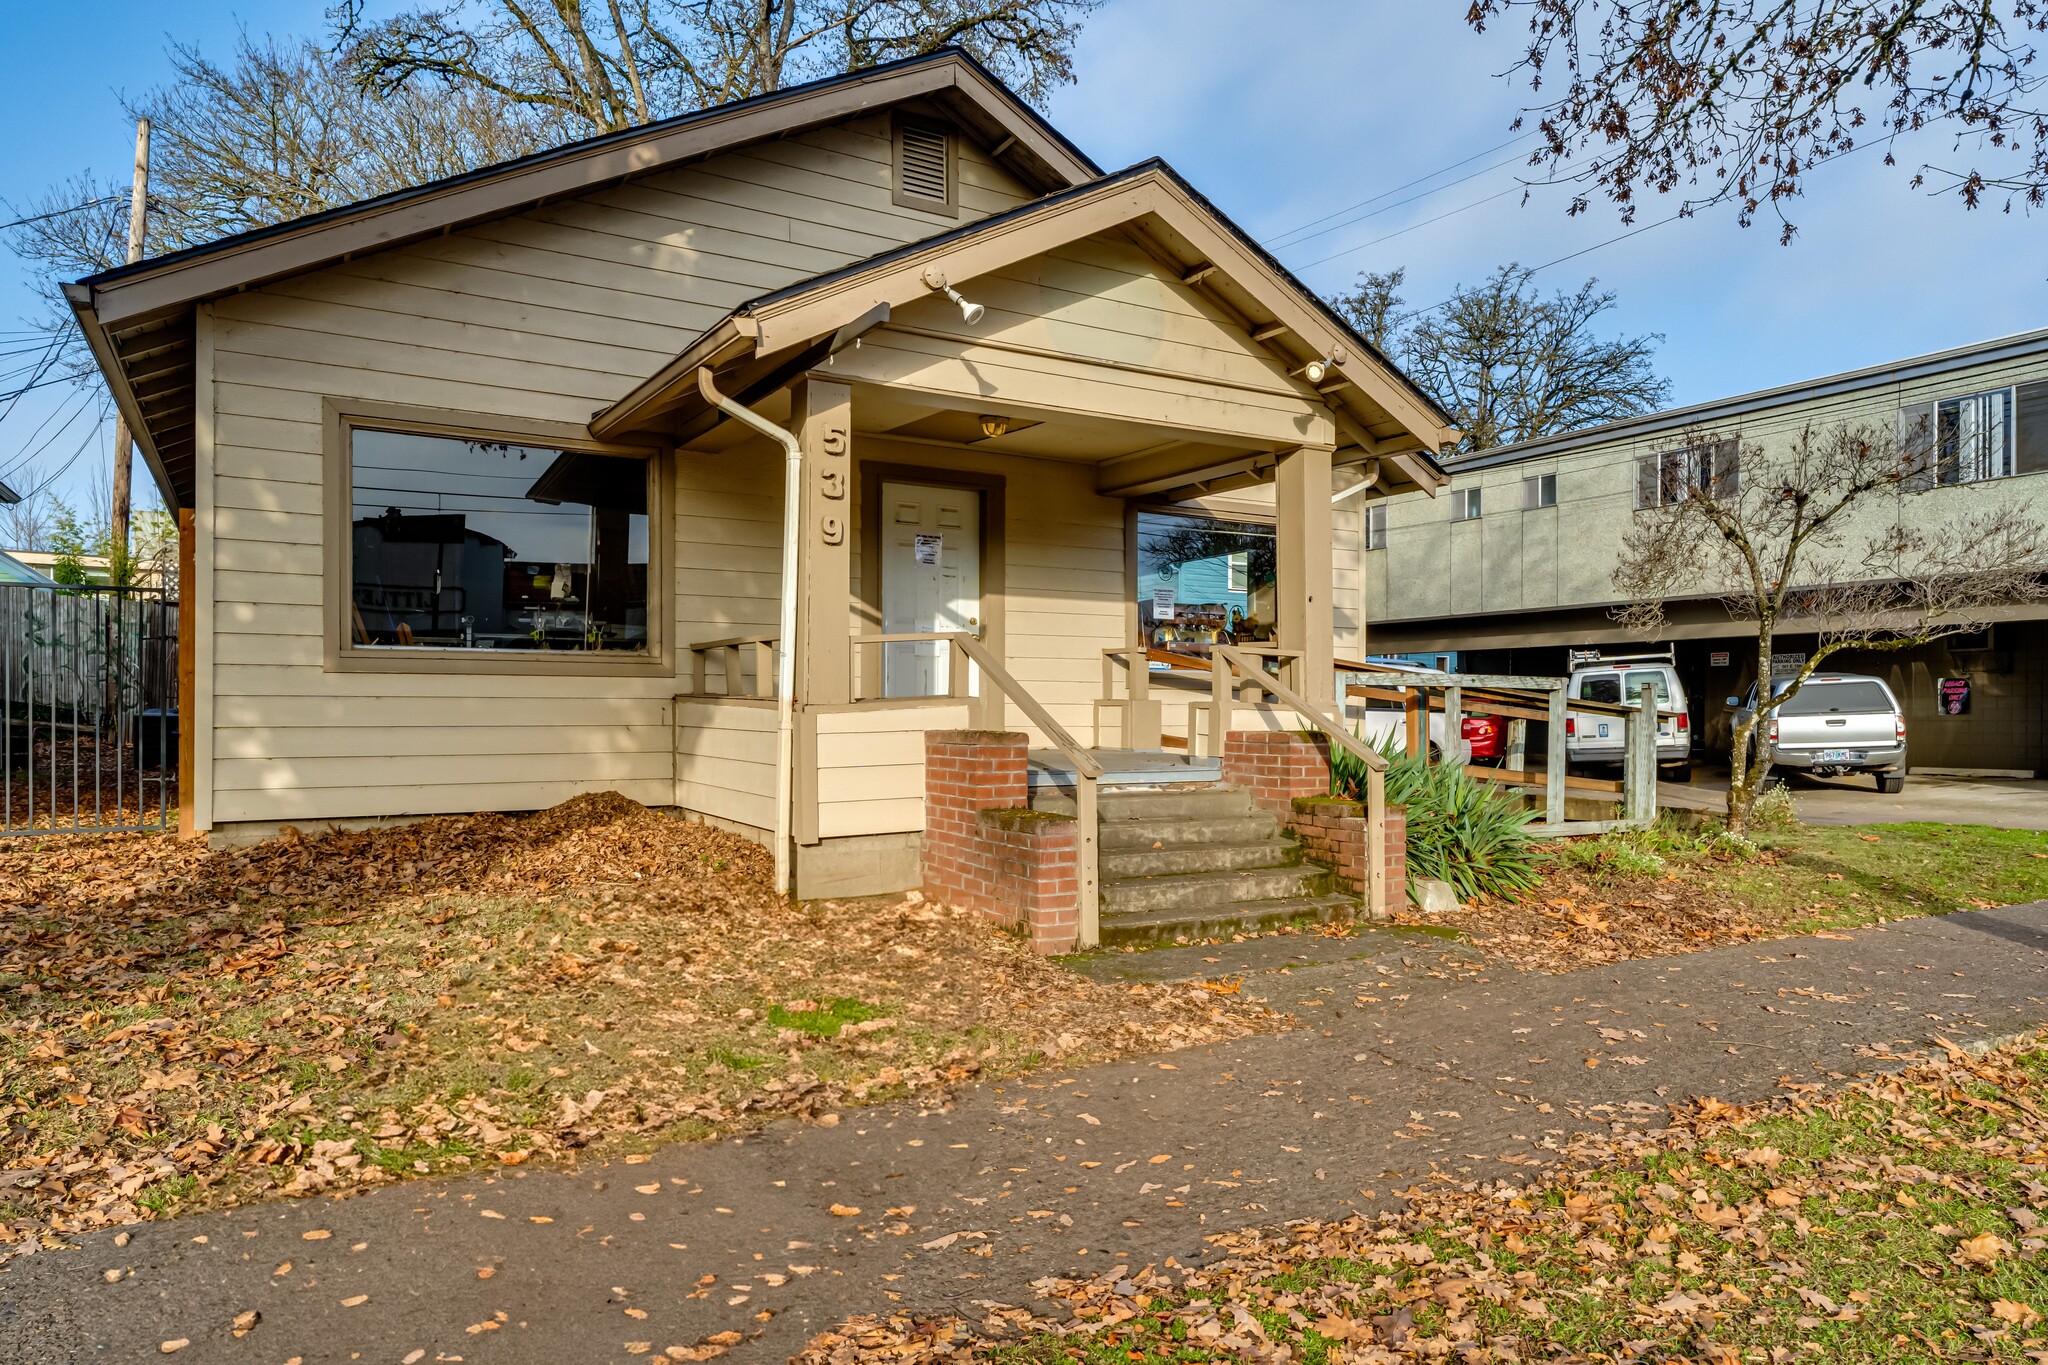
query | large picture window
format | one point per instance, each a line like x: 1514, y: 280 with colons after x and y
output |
x: 478, y: 544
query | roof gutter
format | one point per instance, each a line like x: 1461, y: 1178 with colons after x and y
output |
x: 786, y: 607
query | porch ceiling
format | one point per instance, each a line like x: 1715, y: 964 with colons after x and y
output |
x: 1131, y: 459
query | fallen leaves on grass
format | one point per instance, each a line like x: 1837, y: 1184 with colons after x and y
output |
x: 1798, y: 1229
x: 182, y: 1027
x: 1573, y: 924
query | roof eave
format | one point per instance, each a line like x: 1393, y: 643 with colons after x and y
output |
x: 80, y: 297
x: 248, y: 259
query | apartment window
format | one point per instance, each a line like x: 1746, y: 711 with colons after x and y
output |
x: 469, y: 543
x: 1966, y: 439
x: 925, y: 167
x: 2030, y: 442
x: 1376, y: 526
x: 1672, y: 476
x: 1464, y: 504
x: 1539, y: 490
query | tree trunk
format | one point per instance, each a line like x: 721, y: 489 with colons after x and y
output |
x: 1749, y: 758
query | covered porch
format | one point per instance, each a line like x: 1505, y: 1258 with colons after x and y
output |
x: 908, y: 497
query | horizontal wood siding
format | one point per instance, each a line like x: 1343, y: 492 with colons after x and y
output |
x: 545, y: 316
x: 871, y: 767
x: 725, y: 761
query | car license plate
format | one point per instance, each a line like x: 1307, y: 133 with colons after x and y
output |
x: 1841, y: 755
x: 1603, y: 729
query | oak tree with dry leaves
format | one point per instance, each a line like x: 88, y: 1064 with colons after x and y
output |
x: 1738, y: 101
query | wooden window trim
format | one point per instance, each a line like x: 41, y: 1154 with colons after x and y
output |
x: 950, y: 207
x: 340, y: 654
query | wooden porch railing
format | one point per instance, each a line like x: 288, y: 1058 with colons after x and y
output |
x: 734, y: 650
x: 1232, y: 667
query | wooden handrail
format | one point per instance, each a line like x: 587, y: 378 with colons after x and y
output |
x: 764, y: 664
x: 1287, y: 696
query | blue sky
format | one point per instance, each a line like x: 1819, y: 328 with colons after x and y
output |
x: 1284, y: 111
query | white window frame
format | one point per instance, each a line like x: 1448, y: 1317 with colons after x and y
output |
x: 1467, y: 504
x: 1539, y: 491
x: 1983, y: 446
x: 1376, y: 526
x: 1666, y: 477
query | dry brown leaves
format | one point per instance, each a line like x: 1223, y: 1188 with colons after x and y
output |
x: 1570, y: 924
x: 1438, y: 1252
x: 181, y: 1026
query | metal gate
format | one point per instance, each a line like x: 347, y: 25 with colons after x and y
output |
x: 88, y: 696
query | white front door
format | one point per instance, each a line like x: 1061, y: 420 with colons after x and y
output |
x: 931, y: 581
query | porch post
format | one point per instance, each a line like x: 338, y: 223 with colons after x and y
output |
x: 1303, y: 567
x: 821, y: 415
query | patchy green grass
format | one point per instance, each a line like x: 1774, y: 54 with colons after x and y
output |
x: 1812, y: 877
x: 1898, y: 1221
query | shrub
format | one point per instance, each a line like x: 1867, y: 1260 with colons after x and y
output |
x: 1775, y: 809
x: 1460, y: 830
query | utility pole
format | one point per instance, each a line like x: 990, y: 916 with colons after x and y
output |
x: 138, y: 210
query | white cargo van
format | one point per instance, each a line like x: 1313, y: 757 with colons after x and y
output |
x: 1619, y: 680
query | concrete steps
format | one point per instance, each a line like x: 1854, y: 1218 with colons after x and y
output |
x: 1199, y: 861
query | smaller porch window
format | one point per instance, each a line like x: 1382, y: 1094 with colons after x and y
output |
x: 1204, y: 581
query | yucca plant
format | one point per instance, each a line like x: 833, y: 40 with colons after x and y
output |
x: 1460, y: 830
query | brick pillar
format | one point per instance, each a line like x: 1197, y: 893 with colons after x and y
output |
x: 967, y: 772
x: 985, y: 850
x: 1277, y: 766
x: 1333, y: 832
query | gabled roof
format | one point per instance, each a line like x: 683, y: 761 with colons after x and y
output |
x: 1379, y: 409
x: 138, y: 318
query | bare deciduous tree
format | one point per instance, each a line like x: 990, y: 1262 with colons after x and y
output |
x: 618, y: 65
x: 1740, y: 99
x: 1829, y: 535
x: 1509, y: 364
x: 281, y: 131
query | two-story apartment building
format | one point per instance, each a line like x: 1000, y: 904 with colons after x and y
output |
x: 1527, y: 539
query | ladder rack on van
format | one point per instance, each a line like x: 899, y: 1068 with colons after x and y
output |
x: 1668, y: 656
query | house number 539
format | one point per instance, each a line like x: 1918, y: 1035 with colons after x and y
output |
x: 832, y: 483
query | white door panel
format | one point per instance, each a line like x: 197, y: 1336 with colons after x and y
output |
x: 931, y: 581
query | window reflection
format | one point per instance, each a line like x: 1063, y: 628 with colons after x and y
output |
x: 474, y: 544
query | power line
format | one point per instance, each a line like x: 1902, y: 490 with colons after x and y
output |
x: 1399, y: 203
x: 1462, y: 208
x: 59, y: 213
x: 1521, y: 137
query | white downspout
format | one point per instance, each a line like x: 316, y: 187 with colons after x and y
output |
x: 785, y: 657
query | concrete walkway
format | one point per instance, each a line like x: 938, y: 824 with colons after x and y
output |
x: 1418, y: 1064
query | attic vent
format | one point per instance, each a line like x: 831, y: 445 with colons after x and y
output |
x: 924, y: 167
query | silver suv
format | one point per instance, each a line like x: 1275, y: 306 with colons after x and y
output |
x: 1837, y: 723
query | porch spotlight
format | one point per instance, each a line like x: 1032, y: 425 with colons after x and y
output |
x: 936, y: 280
x: 1317, y: 370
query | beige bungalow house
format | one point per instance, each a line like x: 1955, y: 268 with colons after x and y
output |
x: 622, y: 467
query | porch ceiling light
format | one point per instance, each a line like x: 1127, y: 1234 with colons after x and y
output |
x: 936, y: 280
x: 994, y: 424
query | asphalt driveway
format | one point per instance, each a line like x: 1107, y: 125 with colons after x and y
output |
x: 2006, y: 803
